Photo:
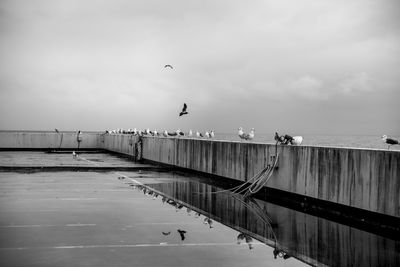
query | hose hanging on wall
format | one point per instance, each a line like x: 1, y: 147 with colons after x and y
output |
x: 139, y: 149
x: 257, y: 182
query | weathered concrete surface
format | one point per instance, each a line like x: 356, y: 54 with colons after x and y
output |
x: 48, y: 140
x: 360, y: 178
x: 120, y: 143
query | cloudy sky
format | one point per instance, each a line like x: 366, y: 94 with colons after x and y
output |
x: 301, y: 66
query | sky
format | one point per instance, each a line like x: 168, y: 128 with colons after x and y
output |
x: 296, y: 66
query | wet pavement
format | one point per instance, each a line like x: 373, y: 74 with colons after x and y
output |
x: 145, y: 218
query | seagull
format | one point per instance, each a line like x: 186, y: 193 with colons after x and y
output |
x: 73, y: 154
x: 165, y: 133
x: 212, y: 134
x: 197, y: 134
x: 248, y: 136
x: 207, y: 134
x: 297, y: 140
x: 168, y: 66
x: 190, y: 134
x: 389, y: 141
x: 166, y: 233
x: 179, y: 132
x: 183, y: 112
x: 56, y: 131
x: 241, y: 133
x: 182, y: 233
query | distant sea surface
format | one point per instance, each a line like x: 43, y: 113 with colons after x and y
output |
x: 356, y: 141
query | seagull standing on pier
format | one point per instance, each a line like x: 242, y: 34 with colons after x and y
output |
x: 241, y: 133
x: 389, y: 141
x: 212, y: 134
x: 249, y: 136
x: 183, y: 112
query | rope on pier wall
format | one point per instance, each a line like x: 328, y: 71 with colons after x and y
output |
x: 139, y: 149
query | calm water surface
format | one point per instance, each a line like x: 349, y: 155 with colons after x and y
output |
x: 286, y: 236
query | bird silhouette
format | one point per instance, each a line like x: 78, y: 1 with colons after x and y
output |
x: 389, y: 141
x: 183, y: 112
x: 182, y: 234
x: 168, y: 66
x: 166, y: 233
x: 56, y: 130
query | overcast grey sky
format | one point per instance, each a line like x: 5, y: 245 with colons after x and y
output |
x: 301, y: 66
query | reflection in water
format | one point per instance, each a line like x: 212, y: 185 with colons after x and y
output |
x: 182, y: 234
x: 311, y: 239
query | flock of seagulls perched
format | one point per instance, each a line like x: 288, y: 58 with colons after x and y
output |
x: 283, y: 139
x: 165, y: 133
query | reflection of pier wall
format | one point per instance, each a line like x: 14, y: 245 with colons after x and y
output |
x: 361, y: 178
x: 313, y: 240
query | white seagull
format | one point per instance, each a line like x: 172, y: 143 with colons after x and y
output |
x: 250, y: 135
x: 241, y: 133
x: 190, y: 134
x: 212, y: 135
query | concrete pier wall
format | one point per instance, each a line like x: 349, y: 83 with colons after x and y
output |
x: 360, y: 178
x: 120, y: 143
x: 48, y: 140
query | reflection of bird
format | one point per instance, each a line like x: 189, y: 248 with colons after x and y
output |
x: 168, y: 66
x: 183, y: 112
x: 166, y: 233
x: 182, y: 233
x: 389, y: 141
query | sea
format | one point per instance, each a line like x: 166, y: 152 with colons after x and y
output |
x: 349, y: 141
x: 324, y: 140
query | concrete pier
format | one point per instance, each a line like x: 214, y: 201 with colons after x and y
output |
x: 48, y: 140
x: 359, y: 178
x: 365, y: 179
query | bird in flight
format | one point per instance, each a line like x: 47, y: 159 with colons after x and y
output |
x: 168, y: 66
x: 183, y: 112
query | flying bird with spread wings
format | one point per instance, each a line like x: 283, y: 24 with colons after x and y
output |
x: 168, y: 66
x: 183, y: 112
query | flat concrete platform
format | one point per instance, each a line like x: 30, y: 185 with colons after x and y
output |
x: 98, y: 219
x: 26, y: 158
